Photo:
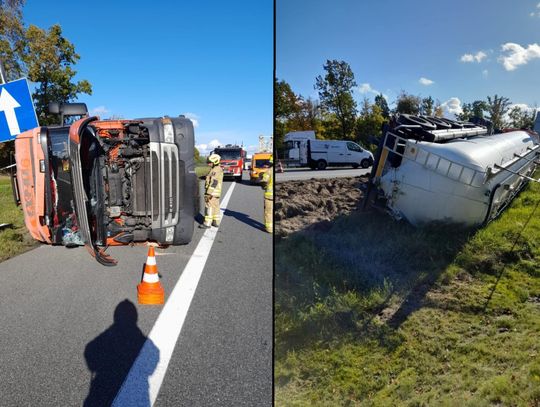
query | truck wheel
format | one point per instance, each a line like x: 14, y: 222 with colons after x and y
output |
x: 321, y: 165
x: 238, y: 178
x: 365, y: 163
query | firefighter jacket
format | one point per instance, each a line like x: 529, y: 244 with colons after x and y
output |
x: 214, y: 181
x: 268, y: 183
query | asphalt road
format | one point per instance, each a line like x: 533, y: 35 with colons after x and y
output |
x: 72, y: 329
x: 298, y: 174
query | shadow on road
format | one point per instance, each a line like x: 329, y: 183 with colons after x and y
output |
x: 242, y: 217
x: 110, y: 356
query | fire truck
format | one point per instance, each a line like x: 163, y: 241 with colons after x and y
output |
x: 232, y: 160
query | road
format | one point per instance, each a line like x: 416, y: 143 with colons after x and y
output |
x: 297, y: 174
x: 72, y: 329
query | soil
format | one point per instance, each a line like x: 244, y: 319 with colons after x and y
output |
x: 313, y: 204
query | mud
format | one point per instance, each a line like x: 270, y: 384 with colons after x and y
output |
x: 313, y: 204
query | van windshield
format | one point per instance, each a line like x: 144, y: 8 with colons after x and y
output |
x: 262, y: 163
x: 354, y: 147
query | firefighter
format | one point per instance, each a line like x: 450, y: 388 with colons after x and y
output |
x: 267, y: 183
x: 212, y: 192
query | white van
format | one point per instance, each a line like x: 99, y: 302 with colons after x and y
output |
x: 325, y: 153
x: 303, y: 150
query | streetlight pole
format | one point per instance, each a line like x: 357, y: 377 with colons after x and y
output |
x: 2, y: 73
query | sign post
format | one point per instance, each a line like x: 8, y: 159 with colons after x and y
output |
x: 2, y: 74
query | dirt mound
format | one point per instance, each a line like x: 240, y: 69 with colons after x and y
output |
x: 314, y: 203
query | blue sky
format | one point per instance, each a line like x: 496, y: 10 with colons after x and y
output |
x: 210, y: 60
x: 456, y: 47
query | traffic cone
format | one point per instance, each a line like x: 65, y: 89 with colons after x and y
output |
x: 150, y: 291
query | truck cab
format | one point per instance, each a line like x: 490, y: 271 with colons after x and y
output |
x: 232, y: 160
x: 260, y: 163
x: 107, y: 182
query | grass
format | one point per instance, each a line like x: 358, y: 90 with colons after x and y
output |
x: 201, y: 170
x: 17, y: 239
x: 375, y: 312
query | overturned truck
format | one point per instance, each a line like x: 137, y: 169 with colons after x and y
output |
x: 107, y: 182
x: 431, y: 169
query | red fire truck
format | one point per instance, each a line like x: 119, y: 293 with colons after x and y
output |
x: 232, y: 160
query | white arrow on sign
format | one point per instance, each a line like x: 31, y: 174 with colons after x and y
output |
x: 8, y: 106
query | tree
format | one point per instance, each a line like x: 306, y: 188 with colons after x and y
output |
x: 12, y: 40
x: 521, y: 118
x: 48, y: 58
x: 466, y: 112
x: 407, y: 104
x: 426, y: 107
x: 285, y: 100
x: 478, y: 107
x: 285, y: 106
x: 383, y: 105
x: 497, y: 107
x: 335, y: 93
x: 369, y: 123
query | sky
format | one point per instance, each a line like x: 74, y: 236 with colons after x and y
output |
x: 211, y: 61
x: 456, y: 52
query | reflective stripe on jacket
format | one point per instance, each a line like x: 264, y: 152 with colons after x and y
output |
x: 268, y: 179
x: 214, y: 181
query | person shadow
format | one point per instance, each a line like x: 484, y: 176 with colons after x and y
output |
x: 242, y: 217
x: 111, y: 355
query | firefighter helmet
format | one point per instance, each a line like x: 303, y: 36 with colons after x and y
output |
x: 214, y: 159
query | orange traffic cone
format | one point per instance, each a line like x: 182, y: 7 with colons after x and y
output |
x: 150, y: 291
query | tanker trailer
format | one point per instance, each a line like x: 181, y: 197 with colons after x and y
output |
x: 430, y: 169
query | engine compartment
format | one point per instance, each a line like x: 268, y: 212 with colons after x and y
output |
x: 124, y: 168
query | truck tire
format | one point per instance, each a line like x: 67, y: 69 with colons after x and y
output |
x: 365, y: 163
x: 321, y: 165
x: 238, y: 178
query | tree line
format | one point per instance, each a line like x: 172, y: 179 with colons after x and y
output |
x: 44, y: 56
x: 336, y: 115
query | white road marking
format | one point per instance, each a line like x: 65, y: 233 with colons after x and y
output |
x: 167, y: 328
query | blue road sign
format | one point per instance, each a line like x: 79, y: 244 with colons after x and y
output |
x: 17, y: 113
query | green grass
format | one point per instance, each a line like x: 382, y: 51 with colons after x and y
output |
x: 375, y: 312
x: 16, y: 240
x: 201, y: 170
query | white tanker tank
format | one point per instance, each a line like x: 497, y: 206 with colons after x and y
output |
x: 436, y: 170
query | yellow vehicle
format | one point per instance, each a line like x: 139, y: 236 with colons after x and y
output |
x: 260, y: 163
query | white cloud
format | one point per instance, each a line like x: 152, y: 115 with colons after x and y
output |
x: 485, y: 73
x: 206, y: 148
x: 425, y: 81
x: 99, y: 111
x: 478, y: 57
x: 451, y: 107
x: 193, y: 117
x: 366, y: 88
x: 517, y: 55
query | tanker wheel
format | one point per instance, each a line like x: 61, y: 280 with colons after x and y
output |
x: 321, y: 165
x: 365, y: 163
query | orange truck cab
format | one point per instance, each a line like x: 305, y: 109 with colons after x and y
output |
x: 107, y: 182
x: 260, y: 163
